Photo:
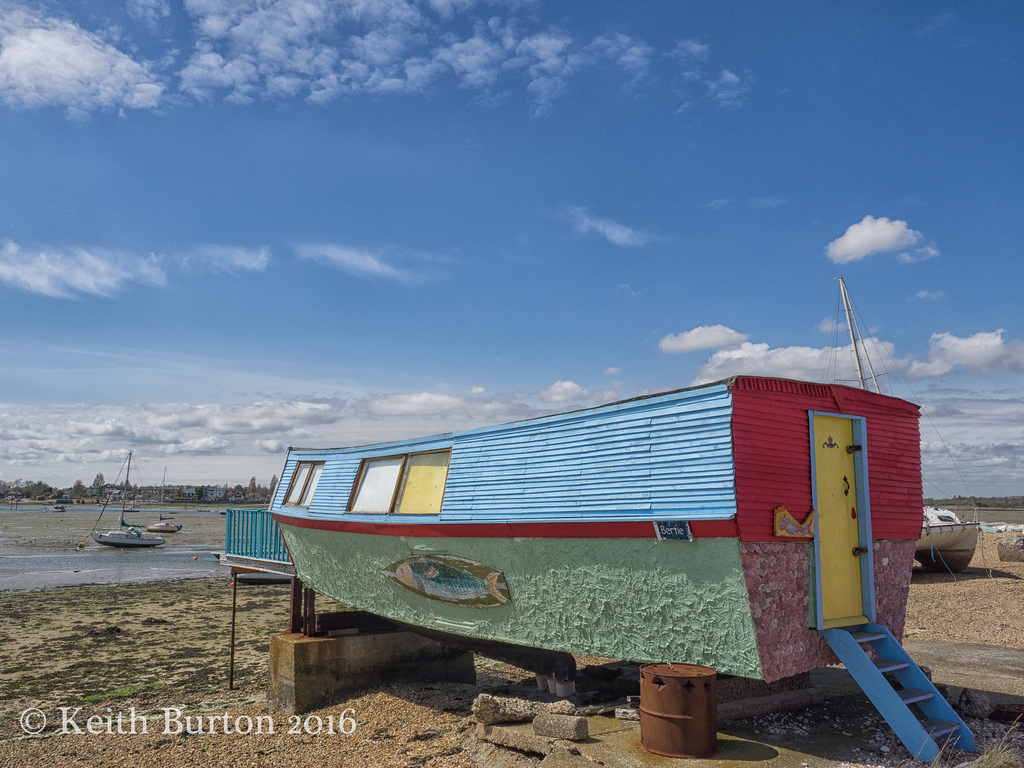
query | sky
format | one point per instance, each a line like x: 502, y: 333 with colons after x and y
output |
x: 232, y: 226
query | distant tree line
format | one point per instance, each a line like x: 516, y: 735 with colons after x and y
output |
x: 989, y: 502
x: 39, y: 490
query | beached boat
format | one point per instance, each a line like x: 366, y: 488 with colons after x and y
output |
x: 947, y: 543
x: 127, y: 538
x: 164, y: 525
x: 678, y: 526
x: 126, y: 535
x: 758, y: 526
x: 56, y: 508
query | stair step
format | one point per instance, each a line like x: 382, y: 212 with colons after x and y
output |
x: 936, y: 728
x: 864, y: 636
x: 910, y: 695
x: 890, y: 665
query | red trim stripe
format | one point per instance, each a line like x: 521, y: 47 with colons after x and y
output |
x: 634, y: 529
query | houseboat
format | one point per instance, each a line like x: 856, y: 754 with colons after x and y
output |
x: 759, y: 526
x: 718, y: 525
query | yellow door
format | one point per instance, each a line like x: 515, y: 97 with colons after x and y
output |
x: 842, y: 596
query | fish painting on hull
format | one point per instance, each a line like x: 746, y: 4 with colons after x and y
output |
x: 451, y: 579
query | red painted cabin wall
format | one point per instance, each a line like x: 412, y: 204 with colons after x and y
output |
x: 771, y: 444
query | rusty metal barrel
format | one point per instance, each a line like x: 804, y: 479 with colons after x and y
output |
x: 678, y: 710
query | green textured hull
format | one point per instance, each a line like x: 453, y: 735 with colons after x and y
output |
x: 641, y: 600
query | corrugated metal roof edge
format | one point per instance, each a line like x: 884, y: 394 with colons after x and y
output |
x: 763, y: 383
x: 724, y: 384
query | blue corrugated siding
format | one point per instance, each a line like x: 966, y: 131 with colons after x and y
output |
x: 667, y: 456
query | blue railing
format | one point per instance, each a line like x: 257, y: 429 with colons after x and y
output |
x: 254, y: 533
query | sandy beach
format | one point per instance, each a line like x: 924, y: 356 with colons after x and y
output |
x: 160, y: 651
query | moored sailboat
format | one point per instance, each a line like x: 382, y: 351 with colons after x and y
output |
x: 126, y: 535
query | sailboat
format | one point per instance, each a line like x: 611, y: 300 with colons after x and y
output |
x: 126, y: 535
x: 164, y: 525
x: 946, y: 543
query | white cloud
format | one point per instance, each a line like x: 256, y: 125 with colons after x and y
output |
x: 725, y: 89
x: 871, y: 235
x: 51, y: 62
x: 923, y: 253
x: 564, y: 391
x: 981, y: 353
x: 217, y: 443
x: 612, y: 231
x: 476, y: 61
x: 227, y: 258
x: 61, y: 273
x: 934, y: 24
x: 358, y: 262
x: 250, y: 48
x: 633, y: 56
x: 931, y: 295
x: 691, y: 49
x: 971, y: 442
x: 149, y: 12
x: 551, y: 61
x: 717, y: 205
x: 702, y: 337
x: 728, y: 89
x: 805, y: 363
x: 768, y: 202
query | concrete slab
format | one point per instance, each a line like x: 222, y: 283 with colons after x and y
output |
x: 990, y: 668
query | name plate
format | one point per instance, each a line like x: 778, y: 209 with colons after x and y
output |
x: 673, y: 530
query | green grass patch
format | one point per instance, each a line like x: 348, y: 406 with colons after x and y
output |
x: 122, y: 692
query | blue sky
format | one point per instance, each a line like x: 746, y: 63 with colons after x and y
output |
x: 228, y: 226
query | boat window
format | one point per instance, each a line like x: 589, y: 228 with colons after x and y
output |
x: 375, y: 488
x: 410, y: 484
x: 304, y: 481
x: 423, y: 483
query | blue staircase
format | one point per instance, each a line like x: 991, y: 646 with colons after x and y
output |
x: 938, y: 724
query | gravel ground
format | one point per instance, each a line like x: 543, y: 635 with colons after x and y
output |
x: 107, y: 650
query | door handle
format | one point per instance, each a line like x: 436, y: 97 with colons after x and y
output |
x: 858, y: 551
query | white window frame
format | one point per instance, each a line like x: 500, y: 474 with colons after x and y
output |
x: 305, y: 478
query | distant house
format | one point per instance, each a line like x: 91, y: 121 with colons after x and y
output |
x: 214, y: 493
x: 236, y: 496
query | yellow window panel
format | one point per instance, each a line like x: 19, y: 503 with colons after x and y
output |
x: 423, y: 483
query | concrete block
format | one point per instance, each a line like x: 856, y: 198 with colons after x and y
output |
x: 308, y: 673
x: 571, y: 727
x: 490, y: 709
x: 515, y: 738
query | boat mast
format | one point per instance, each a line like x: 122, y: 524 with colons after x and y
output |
x: 124, y: 494
x: 856, y: 340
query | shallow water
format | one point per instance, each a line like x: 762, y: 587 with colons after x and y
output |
x: 108, y: 565
x: 40, y: 549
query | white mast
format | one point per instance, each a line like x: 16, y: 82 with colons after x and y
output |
x: 856, y: 340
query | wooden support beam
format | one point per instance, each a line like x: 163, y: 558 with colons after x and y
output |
x: 308, y: 612
x: 295, y: 606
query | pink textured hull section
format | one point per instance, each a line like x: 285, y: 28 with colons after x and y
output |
x: 778, y: 576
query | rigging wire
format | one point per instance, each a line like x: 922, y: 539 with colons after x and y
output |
x: 882, y: 352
